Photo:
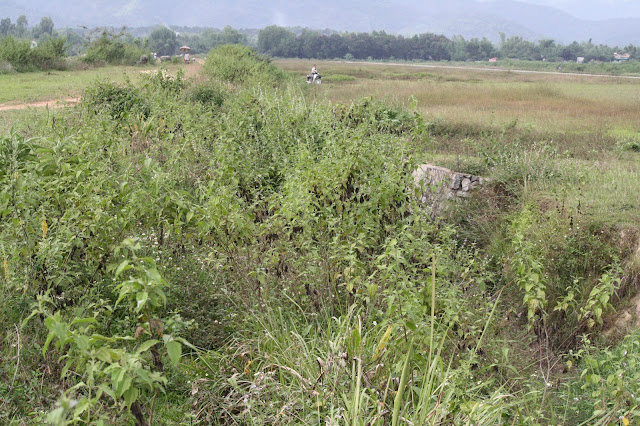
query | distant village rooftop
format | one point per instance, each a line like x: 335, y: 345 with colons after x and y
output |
x: 620, y: 57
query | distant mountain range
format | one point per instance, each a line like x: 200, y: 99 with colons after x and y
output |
x: 468, y: 18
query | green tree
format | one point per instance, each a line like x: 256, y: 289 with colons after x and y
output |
x: 21, y: 26
x: 548, y: 49
x: 571, y: 52
x: 6, y: 27
x: 163, y: 41
x: 233, y: 36
x: 277, y: 41
x: 518, y: 48
x: 478, y: 50
x: 44, y: 28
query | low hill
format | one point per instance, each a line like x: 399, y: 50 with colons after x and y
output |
x: 468, y: 18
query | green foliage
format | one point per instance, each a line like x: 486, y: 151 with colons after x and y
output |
x: 110, y: 48
x: 114, y: 366
x: 240, y: 64
x: 599, y: 299
x: 163, y: 41
x: 607, y: 390
x: 208, y: 94
x: 117, y: 102
x: 210, y: 38
x: 48, y: 54
x: 528, y: 268
x: 287, y: 238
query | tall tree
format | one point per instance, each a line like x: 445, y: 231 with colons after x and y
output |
x: 21, y: 26
x: 44, y: 28
x: 277, y: 41
x: 163, y: 41
x: 6, y: 27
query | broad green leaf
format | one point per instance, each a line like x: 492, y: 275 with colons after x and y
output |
x: 103, y: 388
x: 66, y: 367
x: 124, y: 385
x: 56, y: 417
x: 84, y: 321
x: 141, y: 300
x: 105, y: 354
x: 117, y: 376
x: 144, y: 376
x: 121, y: 267
x: 130, y: 396
x: 146, y: 346
x: 82, y: 342
x: 174, y: 349
x: 81, y: 407
x: 50, y: 337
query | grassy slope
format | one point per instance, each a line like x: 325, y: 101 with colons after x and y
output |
x: 478, y: 113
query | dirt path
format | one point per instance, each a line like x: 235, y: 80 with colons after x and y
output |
x: 54, y: 103
x: 191, y: 71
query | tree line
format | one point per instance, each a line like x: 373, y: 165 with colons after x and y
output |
x: 121, y: 46
x: 282, y: 42
x: 21, y: 29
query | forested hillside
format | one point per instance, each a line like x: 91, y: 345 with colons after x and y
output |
x: 467, y: 18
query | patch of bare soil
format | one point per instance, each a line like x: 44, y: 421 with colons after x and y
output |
x: 56, y: 103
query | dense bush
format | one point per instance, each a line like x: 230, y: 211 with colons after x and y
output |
x: 117, y: 102
x: 210, y: 93
x: 111, y: 49
x: 47, y: 54
x: 239, y: 64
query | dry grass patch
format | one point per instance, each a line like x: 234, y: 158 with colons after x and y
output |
x: 548, y: 102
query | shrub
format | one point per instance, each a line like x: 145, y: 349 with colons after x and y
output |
x: 115, y: 101
x: 239, y: 64
x: 208, y: 94
x: 48, y: 54
x: 109, y: 49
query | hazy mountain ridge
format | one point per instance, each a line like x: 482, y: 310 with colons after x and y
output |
x: 464, y: 17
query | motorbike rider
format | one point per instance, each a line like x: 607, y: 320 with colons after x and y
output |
x: 314, y: 72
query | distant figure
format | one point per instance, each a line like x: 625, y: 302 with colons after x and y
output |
x: 186, y: 57
x: 144, y: 59
x: 314, y: 72
x: 559, y: 67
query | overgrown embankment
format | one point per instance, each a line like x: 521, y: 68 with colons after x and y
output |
x: 232, y: 252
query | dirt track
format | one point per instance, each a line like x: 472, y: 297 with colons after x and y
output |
x: 190, y: 70
x: 54, y: 103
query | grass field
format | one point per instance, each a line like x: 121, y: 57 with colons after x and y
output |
x: 557, y: 103
x: 21, y: 88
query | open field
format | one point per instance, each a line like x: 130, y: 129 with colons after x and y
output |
x: 485, y: 99
x: 25, y: 96
x: 19, y: 88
